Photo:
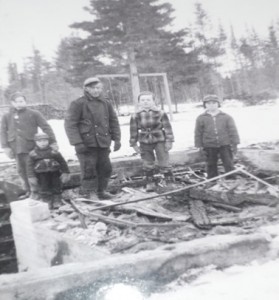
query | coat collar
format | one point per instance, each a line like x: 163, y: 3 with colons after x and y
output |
x: 90, y: 98
x: 209, y: 115
x: 15, y: 111
x: 152, y: 108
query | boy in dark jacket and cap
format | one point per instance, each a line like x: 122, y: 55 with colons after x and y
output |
x: 216, y: 134
x: 151, y: 128
x: 91, y: 124
x: 47, y: 170
x: 18, y: 128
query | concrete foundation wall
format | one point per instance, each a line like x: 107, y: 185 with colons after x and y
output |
x: 160, y: 266
x: 37, y: 246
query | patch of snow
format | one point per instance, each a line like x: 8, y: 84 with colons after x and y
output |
x: 256, y: 281
x: 255, y: 124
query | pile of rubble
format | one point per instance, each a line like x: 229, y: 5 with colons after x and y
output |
x: 187, y: 208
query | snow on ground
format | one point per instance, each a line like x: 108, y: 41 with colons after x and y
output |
x: 253, y: 282
x: 255, y: 124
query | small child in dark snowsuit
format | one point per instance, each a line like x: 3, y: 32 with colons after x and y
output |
x: 151, y: 128
x: 47, y: 170
x: 216, y: 135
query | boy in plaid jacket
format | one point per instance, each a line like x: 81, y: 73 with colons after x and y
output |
x: 151, y: 128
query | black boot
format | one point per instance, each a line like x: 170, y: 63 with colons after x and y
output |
x: 150, y: 181
x: 102, y: 186
x: 169, y: 177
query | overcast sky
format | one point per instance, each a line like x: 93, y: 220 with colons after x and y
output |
x: 42, y: 23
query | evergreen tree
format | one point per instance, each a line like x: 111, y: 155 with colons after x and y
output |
x: 271, y: 64
x: 211, y: 46
x: 132, y: 34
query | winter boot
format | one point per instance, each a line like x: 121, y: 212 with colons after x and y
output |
x: 169, y: 177
x: 84, y: 193
x: 56, y: 201
x: 47, y: 198
x: 102, y: 186
x: 150, y: 181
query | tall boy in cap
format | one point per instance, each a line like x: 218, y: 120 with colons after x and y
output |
x: 216, y: 135
x: 18, y: 128
x: 91, y: 124
x: 47, y: 170
x: 151, y: 128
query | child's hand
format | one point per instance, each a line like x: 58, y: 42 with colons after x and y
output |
x: 65, y: 177
x: 168, y: 146
x: 54, y: 147
x: 33, y: 181
x: 137, y: 149
x: 202, y: 152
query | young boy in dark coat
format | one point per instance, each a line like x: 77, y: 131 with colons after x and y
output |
x: 18, y: 127
x: 151, y: 128
x: 216, y: 135
x: 47, y: 170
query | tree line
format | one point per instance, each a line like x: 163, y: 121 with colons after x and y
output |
x: 136, y: 36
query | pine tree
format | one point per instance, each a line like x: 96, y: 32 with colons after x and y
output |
x: 210, y: 46
x: 271, y: 64
x: 132, y: 35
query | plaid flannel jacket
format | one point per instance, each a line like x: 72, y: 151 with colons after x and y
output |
x: 150, y: 126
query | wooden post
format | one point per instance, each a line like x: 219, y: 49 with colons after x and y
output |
x: 134, y: 76
x: 135, y: 82
x: 168, y: 98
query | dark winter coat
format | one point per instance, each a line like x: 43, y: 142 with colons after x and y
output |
x: 92, y: 121
x: 19, y: 127
x: 45, y: 161
x: 150, y: 126
x: 215, y: 131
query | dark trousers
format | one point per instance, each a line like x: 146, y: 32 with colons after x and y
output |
x: 212, y: 156
x: 21, y: 164
x: 95, y: 168
x: 49, y: 183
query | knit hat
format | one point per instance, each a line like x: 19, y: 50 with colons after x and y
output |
x: 91, y: 80
x: 212, y: 97
x: 41, y: 136
x: 17, y: 95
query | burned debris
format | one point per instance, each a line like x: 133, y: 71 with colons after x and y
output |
x: 185, y: 208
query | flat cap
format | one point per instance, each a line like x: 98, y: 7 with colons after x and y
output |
x: 16, y: 95
x: 91, y: 80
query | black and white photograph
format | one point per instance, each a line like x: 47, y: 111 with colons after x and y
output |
x: 139, y: 149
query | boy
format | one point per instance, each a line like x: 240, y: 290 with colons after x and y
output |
x: 18, y: 128
x: 91, y: 124
x: 152, y: 129
x: 216, y: 134
x: 44, y: 168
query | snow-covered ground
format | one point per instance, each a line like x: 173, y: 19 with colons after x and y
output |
x: 255, y: 124
x: 253, y: 282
